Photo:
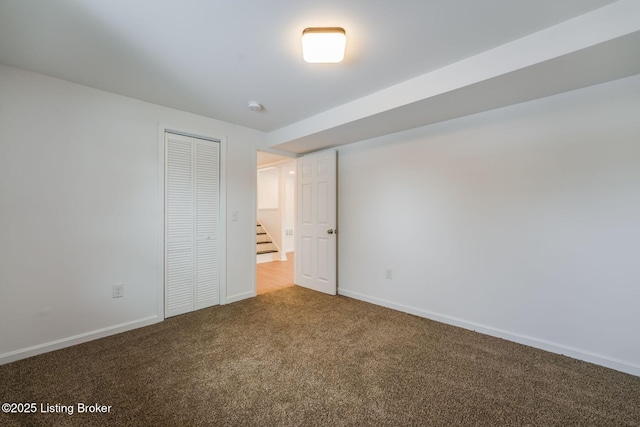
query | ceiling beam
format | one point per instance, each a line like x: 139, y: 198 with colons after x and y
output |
x: 593, y: 48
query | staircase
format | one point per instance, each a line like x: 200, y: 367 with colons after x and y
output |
x: 265, y: 248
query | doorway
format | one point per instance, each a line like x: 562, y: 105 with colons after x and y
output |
x: 275, y: 227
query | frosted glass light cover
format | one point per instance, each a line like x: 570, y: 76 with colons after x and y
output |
x: 323, y: 45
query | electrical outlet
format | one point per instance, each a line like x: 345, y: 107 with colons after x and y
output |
x: 118, y: 290
x: 389, y: 274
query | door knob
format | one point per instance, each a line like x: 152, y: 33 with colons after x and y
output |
x: 330, y: 231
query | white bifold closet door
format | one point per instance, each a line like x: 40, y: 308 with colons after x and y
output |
x: 192, y: 226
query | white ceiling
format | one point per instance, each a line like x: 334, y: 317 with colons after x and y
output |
x: 211, y: 57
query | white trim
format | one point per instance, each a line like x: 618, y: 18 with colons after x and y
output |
x: 254, y: 215
x: 163, y: 215
x: 191, y: 135
x: 223, y: 221
x: 576, y: 353
x: 270, y: 257
x: 240, y: 297
x: 12, y: 356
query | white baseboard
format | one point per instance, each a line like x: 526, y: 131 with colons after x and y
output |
x: 240, y: 297
x: 23, y: 353
x: 272, y: 256
x: 576, y: 353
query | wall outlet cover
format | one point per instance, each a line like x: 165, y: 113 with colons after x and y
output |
x: 118, y: 290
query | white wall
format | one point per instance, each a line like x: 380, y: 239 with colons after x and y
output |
x: 522, y: 222
x: 268, y: 188
x: 81, y: 209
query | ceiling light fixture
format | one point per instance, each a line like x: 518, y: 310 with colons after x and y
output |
x: 323, y: 45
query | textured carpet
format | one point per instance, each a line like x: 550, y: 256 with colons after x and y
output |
x: 297, y: 357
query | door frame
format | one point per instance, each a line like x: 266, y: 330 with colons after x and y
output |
x: 160, y: 279
x: 281, y: 153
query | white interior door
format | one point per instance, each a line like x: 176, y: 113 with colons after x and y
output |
x: 316, y: 240
x: 192, y: 227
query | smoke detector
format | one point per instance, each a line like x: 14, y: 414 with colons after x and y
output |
x: 255, y: 106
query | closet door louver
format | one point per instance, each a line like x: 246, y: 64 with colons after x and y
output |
x: 207, y: 226
x: 191, y: 224
x: 179, y: 226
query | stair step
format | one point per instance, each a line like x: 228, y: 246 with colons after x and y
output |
x: 270, y: 251
x: 265, y: 246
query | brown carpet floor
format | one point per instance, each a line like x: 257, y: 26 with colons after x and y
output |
x: 299, y: 358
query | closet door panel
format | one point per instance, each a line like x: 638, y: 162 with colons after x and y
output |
x: 179, y: 225
x: 207, y: 205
